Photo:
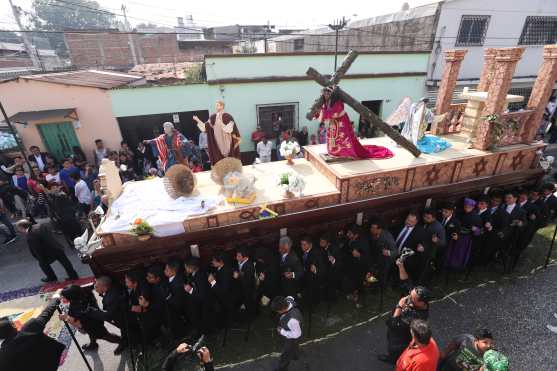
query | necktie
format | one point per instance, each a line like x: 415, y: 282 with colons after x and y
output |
x: 401, y: 237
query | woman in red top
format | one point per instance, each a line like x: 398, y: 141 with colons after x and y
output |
x: 36, y: 184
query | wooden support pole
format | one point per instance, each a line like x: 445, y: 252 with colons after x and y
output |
x: 339, y: 74
x: 366, y: 113
x: 346, y: 63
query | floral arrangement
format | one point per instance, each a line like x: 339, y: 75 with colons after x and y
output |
x: 141, y: 228
x: 289, y: 148
x: 498, y: 127
x: 291, y: 182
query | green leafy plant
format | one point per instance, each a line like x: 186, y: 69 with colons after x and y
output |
x: 140, y: 228
x: 498, y: 127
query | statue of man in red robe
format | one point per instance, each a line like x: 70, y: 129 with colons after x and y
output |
x: 223, y: 137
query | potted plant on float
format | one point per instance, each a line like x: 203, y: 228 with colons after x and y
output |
x: 289, y: 149
x: 290, y: 183
x: 141, y: 229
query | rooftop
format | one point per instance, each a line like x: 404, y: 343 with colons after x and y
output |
x: 403, y: 15
x: 89, y: 78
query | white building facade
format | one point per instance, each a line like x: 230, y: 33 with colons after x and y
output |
x: 478, y: 24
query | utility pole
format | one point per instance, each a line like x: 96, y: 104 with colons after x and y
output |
x: 28, y: 47
x: 267, y: 29
x: 337, y: 26
x: 126, y: 23
x: 131, y: 44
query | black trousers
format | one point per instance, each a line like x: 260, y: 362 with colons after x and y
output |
x: 290, y: 352
x: 61, y: 257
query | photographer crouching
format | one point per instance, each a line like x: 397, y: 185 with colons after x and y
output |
x: 202, y: 353
x: 410, y: 307
x: 30, y: 348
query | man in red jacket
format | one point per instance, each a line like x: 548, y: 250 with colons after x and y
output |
x: 422, y: 353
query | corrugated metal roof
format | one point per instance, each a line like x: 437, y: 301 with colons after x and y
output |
x: 41, y: 115
x: 90, y: 78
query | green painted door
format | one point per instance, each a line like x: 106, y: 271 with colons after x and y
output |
x: 59, y: 138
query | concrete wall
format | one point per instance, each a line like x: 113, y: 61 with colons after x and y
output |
x: 504, y: 30
x: 93, y: 109
x: 410, y: 30
x: 242, y: 99
x: 296, y: 65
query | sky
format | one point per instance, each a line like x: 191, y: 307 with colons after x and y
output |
x: 283, y: 13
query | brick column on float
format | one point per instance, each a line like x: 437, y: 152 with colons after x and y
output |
x: 453, y: 60
x: 505, y: 64
x: 488, y: 69
x: 541, y: 92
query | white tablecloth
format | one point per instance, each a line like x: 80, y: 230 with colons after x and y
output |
x: 149, y: 201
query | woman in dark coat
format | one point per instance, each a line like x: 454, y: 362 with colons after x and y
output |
x: 80, y: 304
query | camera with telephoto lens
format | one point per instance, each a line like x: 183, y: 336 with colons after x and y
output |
x: 192, y: 350
x: 406, y: 252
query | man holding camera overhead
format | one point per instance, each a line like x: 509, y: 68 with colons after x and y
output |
x: 415, y: 305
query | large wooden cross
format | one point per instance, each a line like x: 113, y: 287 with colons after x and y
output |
x: 366, y: 113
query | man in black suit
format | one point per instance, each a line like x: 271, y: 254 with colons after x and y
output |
x: 315, y: 270
x: 291, y: 269
x: 334, y: 259
x: 113, y: 308
x: 359, y: 261
x: 194, y: 309
x: 38, y: 157
x: 46, y: 249
x: 433, y: 246
x: 244, y: 282
x: 219, y: 295
x: 176, y: 296
x: 549, y: 200
x: 30, y: 348
x: 197, y: 276
x: 514, y: 225
x: 383, y: 247
x: 145, y: 315
x: 410, y: 236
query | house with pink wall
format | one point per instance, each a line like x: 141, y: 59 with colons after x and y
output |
x: 57, y: 111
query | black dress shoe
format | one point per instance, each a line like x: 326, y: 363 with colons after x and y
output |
x: 385, y: 358
x: 46, y: 279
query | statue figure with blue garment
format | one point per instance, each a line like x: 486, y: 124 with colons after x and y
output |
x: 415, y: 119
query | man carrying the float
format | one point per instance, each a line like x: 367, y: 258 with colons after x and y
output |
x: 223, y: 137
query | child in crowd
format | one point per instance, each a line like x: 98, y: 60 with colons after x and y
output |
x: 20, y: 179
x: 53, y: 177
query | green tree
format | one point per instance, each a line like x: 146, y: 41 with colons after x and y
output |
x: 59, y: 15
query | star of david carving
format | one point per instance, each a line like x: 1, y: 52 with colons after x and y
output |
x: 432, y: 175
x: 517, y: 160
x: 479, y: 167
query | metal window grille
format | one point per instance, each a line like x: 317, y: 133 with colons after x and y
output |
x: 539, y: 30
x: 524, y: 92
x: 298, y: 44
x: 472, y: 30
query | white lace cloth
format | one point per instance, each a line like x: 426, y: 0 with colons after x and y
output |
x: 149, y: 201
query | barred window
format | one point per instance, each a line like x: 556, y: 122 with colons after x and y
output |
x: 472, y: 30
x: 298, y: 44
x: 539, y: 30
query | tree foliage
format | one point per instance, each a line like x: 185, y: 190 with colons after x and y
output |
x: 53, y: 15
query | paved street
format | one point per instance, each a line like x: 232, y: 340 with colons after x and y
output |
x: 517, y: 311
